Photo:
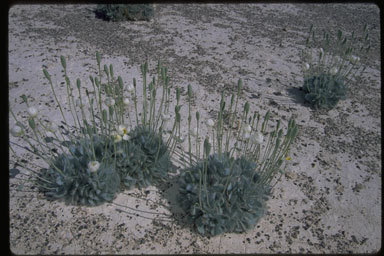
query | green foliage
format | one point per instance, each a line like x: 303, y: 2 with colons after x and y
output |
x: 324, y: 91
x: 69, y: 178
x: 144, y: 160
x: 331, y: 63
x: 122, y: 12
x: 229, y: 197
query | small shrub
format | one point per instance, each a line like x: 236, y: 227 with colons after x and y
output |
x: 123, y: 12
x: 88, y: 158
x: 324, y: 91
x: 145, y: 160
x: 230, y: 200
x: 331, y: 64
x: 226, y: 190
x: 71, y: 178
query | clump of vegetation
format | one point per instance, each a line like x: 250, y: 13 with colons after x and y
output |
x: 324, y: 91
x: 112, y: 141
x: 78, y: 180
x: 331, y: 64
x: 124, y: 12
x: 145, y: 160
x: 225, y: 187
x: 228, y: 198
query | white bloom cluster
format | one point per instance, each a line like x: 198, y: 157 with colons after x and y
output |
x: 32, y: 111
x: 126, y: 101
x: 130, y: 88
x: 165, y: 117
x: 210, y: 123
x: 258, y: 138
x: 121, y: 134
x: 354, y: 59
x: 16, y: 131
x: 93, y: 166
x: 110, y: 102
x: 334, y: 70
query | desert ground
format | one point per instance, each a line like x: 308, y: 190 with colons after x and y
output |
x: 328, y: 201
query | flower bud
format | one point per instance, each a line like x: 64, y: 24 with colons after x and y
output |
x: 49, y: 134
x: 165, y: 117
x: 258, y: 138
x: 110, y: 102
x: 117, y: 138
x: 122, y: 129
x: 52, y: 127
x: 354, y: 59
x: 334, y: 71
x: 180, y: 139
x: 306, y: 66
x: 63, y: 62
x: 98, y: 58
x: 247, y: 128
x: 126, y: 102
x: 210, y: 123
x: 16, y: 131
x: 246, y: 135
x: 130, y: 88
x: 32, y: 111
x: 93, y: 166
x: 126, y: 137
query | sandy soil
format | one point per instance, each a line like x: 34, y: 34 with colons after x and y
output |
x: 328, y: 202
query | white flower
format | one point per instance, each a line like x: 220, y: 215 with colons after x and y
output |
x: 165, y: 117
x: 52, y: 127
x: 194, y: 132
x: 180, y: 139
x: 130, y: 88
x: 122, y: 129
x: 126, y: 102
x: 16, y: 131
x: 322, y: 51
x: 334, y: 70
x: 247, y: 135
x: 354, y: 59
x: 32, y: 111
x: 247, y: 128
x: 126, y: 137
x: 306, y: 66
x: 210, y: 123
x: 93, y: 166
x: 49, y: 134
x: 110, y: 102
x: 117, y: 138
x: 258, y: 138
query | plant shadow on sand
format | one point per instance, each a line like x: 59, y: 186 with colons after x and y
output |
x: 297, y: 95
x: 170, y: 192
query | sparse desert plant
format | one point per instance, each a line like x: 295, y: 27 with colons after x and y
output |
x: 123, y: 12
x: 77, y: 179
x: 331, y: 64
x: 112, y: 139
x: 225, y: 186
x: 146, y: 159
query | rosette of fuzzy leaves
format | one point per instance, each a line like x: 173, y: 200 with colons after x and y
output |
x: 68, y: 177
x: 324, y: 91
x: 223, y: 197
x: 144, y: 160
